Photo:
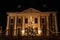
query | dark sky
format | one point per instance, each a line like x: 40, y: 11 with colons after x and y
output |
x: 9, y: 5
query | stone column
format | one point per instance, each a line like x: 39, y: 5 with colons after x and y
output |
x: 39, y: 27
x: 7, y: 28
x: 47, y: 26
x: 22, y: 27
x: 23, y: 23
x: 39, y: 23
x: 56, y: 27
x: 15, y: 29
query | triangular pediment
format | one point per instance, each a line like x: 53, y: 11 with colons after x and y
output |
x: 31, y: 10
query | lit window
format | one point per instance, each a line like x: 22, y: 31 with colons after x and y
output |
x: 26, y: 20
x: 36, y: 20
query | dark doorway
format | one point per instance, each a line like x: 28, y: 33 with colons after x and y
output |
x: 19, y: 34
x: 11, y: 31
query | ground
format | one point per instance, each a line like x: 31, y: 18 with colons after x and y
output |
x: 30, y: 38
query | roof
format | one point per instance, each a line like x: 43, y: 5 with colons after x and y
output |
x: 30, y: 10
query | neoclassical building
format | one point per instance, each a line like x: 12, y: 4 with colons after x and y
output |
x: 31, y: 22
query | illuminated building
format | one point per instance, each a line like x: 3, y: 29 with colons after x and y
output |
x: 31, y: 22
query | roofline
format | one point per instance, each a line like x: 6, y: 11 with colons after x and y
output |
x: 31, y: 8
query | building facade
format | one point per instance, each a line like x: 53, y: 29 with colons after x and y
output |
x: 31, y: 22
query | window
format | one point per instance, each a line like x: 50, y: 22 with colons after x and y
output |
x: 36, y: 20
x: 43, y: 20
x: 11, y: 20
x: 19, y: 20
x: 26, y: 20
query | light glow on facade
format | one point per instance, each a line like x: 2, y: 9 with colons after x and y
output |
x: 31, y: 22
x: 23, y: 32
x: 39, y: 32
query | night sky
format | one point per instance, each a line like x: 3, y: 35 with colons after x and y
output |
x: 9, y: 5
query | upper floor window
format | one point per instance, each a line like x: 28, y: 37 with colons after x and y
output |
x: 43, y: 20
x: 36, y: 20
x: 12, y: 20
x: 26, y: 20
x: 19, y: 20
